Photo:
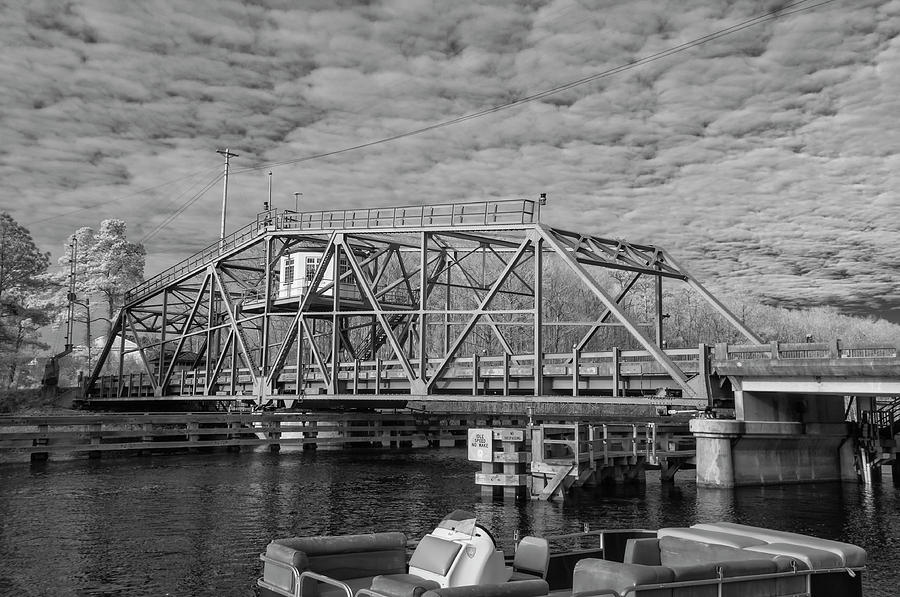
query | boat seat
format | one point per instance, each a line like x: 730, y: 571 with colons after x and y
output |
x: 402, y: 585
x: 852, y: 556
x: 433, y: 558
x: 352, y: 559
x: 807, y: 557
x: 525, y: 588
x: 710, y: 536
x: 532, y: 559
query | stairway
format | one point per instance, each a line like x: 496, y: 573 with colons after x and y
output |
x: 368, y: 348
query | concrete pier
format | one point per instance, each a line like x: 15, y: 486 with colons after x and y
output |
x: 733, y: 453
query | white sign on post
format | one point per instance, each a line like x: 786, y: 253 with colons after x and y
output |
x: 481, y: 445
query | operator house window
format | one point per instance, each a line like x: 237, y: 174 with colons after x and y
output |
x: 312, y: 263
x: 288, y: 272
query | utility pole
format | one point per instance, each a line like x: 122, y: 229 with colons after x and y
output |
x: 297, y: 202
x: 70, y: 296
x: 228, y: 155
x: 87, y: 331
x: 270, y: 191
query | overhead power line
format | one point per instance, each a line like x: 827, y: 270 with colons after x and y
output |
x: 183, y: 207
x: 786, y: 10
x: 96, y: 204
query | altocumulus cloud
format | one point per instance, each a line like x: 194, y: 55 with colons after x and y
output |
x: 766, y: 161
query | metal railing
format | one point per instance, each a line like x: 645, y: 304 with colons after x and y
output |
x: 484, y: 213
x: 805, y: 350
x: 196, y: 261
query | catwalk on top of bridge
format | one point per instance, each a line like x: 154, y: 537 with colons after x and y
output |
x: 422, y: 301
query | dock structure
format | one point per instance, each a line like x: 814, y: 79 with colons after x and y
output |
x: 44, y: 437
x: 460, y: 307
x: 589, y: 454
x: 545, y: 461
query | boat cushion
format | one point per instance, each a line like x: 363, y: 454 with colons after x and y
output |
x: 642, y: 551
x: 851, y: 555
x: 336, y: 557
x: 696, y: 572
x: 353, y: 565
x: 747, y: 567
x: 808, y: 558
x: 532, y: 556
x: 592, y: 575
x: 710, y: 537
x: 346, y: 556
x: 323, y: 545
x: 435, y: 555
x: 402, y: 585
x: 674, y: 551
x: 525, y: 588
x: 288, y: 555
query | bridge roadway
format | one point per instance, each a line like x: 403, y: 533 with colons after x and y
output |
x: 623, y: 377
x: 612, y: 377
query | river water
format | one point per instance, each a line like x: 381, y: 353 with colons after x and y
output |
x: 195, y: 524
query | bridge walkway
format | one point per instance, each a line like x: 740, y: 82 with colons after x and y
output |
x: 460, y: 215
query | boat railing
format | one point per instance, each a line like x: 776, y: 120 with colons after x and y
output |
x: 722, y: 581
x: 298, y: 579
x: 310, y: 575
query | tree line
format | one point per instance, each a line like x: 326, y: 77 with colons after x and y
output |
x: 34, y: 300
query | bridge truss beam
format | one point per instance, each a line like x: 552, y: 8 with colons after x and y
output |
x: 406, y: 302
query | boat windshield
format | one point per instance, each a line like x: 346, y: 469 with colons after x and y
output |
x: 460, y: 521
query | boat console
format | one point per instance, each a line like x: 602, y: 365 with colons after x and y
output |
x: 459, y: 552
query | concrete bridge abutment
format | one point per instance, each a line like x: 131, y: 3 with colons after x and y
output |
x: 734, y: 453
x: 776, y: 438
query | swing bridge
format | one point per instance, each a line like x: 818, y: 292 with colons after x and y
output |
x: 393, y: 304
x: 481, y: 307
x: 432, y: 303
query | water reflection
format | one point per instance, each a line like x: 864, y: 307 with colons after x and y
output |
x: 195, y: 524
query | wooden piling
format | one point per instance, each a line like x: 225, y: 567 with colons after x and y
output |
x: 501, y: 452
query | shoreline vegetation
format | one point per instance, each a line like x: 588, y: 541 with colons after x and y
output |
x: 37, y: 401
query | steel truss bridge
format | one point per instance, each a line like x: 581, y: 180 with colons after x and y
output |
x: 410, y: 303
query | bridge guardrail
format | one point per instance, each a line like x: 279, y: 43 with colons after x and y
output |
x: 804, y: 350
x: 516, y: 211
x: 194, y: 262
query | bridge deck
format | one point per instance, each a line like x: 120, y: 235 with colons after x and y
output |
x: 614, y: 373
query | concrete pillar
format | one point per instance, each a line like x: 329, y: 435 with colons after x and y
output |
x: 849, y: 471
x: 715, y: 461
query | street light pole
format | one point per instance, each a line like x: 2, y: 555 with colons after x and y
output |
x: 228, y: 155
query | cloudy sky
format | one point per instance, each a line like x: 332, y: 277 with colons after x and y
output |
x: 767, y: 161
